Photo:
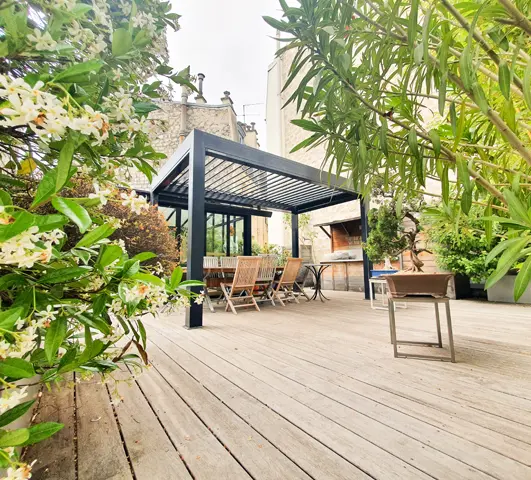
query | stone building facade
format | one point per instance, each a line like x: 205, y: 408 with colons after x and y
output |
x: 176, y: 119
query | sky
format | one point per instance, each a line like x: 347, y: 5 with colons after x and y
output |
x: 230, y: 43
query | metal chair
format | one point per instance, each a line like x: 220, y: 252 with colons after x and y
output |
x: 243, y: 283
x: 287, y: 281
x: 266, y: 276
x: 208, y: 263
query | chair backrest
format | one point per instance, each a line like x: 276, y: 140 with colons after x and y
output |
x: 228, y: 262
x: 302, y: 275
x: 268, y: 268
x: 210, y: 262
x: 246, y: 272
x: 291, y: 270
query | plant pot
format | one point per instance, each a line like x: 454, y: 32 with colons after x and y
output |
x: 503, y: 291
x: 418, y: 284
x: 378, y: 273
x: 462, y: 286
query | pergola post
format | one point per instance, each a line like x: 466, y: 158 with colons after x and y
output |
x: 247, y: 235
x: 196, y: 226
x: 367, y: 264
x: 295, y: 235
x: 154, y: 198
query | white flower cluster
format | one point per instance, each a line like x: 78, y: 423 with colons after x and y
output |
x: 146, y: 21
x: 22, y: 472
x: 45, y: 113
x: 42, y: 41
x: 135, y: 202
x: 155, y: 297
x: 100, y: 193
x: 11, y: 398
x: 87, y: 39
x: 29, y: 247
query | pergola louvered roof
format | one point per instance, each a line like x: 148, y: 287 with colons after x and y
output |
x: 240, y: 176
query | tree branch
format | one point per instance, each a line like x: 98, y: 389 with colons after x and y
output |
x: 520, y: 19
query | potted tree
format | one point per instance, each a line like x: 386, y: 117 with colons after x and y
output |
x: 394, y: 229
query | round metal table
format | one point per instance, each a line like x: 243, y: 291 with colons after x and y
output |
x: 317, y: 270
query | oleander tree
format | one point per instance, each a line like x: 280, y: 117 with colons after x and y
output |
x: 409, y: 92
x: 77, y: 81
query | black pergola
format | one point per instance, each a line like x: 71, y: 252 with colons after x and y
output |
x: 210, y: 174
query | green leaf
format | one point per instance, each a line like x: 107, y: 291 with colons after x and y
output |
x: 145, y: 107
x: 522, y: 279
x: 466, y: 201
x: 103, y: 231
x: 5, y: 198
x: 16, y: 412
x: 413, y: 23
x: 23, y: 221
x: 55, y: 334
x: 130, y: 268
x: 517, y: 209
x: 13, y: 438
x: 527, y: 84
x: 73, y: 211
x: 383, y: 137
x: 445, y: 185
x: 413, y: 144
x: 79, y: 72
x: 47, y: 187
x: 453, y: 118
x: 504, y: 78
x: 176, y: 277
x: 148, y: 278
x: 507, y: 260
x: 65, y: 162
x: 426, y: 34
x: 480, y: 98
x: 143, y: 256
x: 8, y: 318
x: 41, y: 431
x: 122, y: 41
x: 467, y: 70
x: 462, y: 172
x: 109, y: 254
x: 307, y: 125
x: 436, y: 142
x: 64, y: 275
x: 16, y: 368
x: 276, y: 24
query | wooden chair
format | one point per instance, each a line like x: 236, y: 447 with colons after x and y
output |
x: 243, y: 283
x: 209, y: 262
x: 287, y: 281
x: 266, y: 276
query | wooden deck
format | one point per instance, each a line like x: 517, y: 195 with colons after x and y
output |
x: 308, y: 391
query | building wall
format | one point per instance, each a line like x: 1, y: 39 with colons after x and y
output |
x: 175, y: 120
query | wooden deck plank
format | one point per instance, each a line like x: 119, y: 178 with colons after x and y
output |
x: 151, y: 453
x: 100, y: 451
x: 365, y: 455
x: 55, y: 457
x: 372, y: 381
x: 354, y: 355
x: 294, y: 367
x: 312, y: 456
x: 353, y: 410
x: 200, y: 450
x: 259, y: 457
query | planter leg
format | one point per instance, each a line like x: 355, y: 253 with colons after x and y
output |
x: 450, y: 332
x: 392, y: 326
x: 438, y: 320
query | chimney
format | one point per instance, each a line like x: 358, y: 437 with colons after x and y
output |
x: 184, y: 113
x: 226, y: 99
x: 200, y: 98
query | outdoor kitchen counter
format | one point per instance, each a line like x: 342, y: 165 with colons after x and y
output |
x: 344, y: 274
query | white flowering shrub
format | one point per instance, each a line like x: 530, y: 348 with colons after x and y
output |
x: 76, y: 86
